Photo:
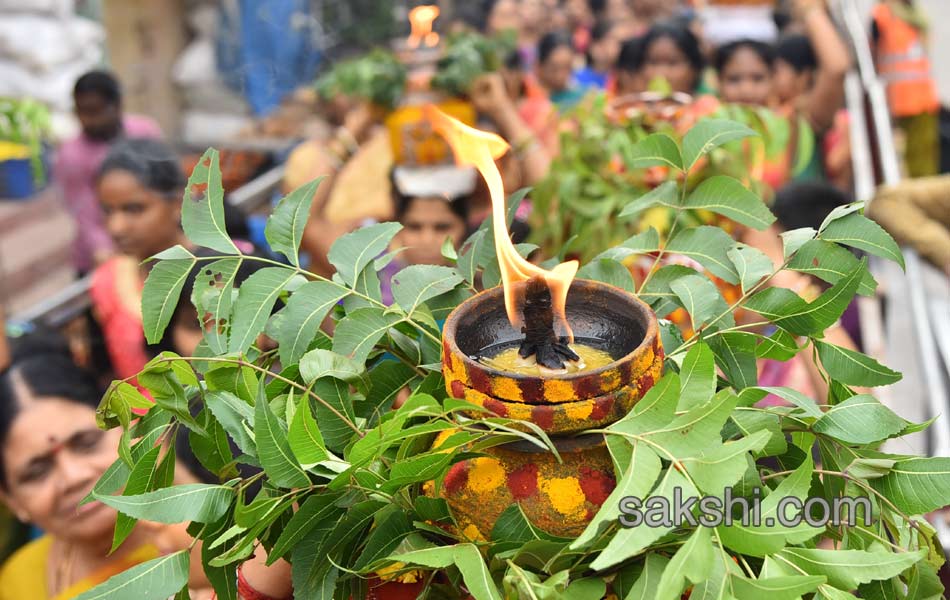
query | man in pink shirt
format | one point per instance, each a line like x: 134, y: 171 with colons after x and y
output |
x: 98, y: 102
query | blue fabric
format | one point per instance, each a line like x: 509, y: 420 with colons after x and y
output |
x: 589, y: 78
x: 266, y: 49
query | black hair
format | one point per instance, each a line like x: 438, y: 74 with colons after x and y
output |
x: 597, y: 7
x: 459, y: 206
x: 798, y: 52
x: 44, y: 375
x: 630, y: 58
x: 550, y: 42
x: 513, y: 61
x: 685, y: 40
x: 101, y: 83
x: 806, y: 203
x: 153, y: 163
x: 599, y: 31
x: 724, y: 54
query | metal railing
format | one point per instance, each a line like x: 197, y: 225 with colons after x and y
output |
x: 932, y: 367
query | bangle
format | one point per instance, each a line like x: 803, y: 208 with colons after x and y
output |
x: 247, y: 592
x: 347, y: 139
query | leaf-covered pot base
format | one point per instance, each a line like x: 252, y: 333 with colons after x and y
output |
x: 559, y: 497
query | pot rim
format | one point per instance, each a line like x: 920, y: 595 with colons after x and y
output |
x: 449, y: 334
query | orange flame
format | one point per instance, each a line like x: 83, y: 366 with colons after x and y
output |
x: 421, y: 19
x: 480, y: 149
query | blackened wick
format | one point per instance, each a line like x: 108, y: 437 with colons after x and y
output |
x: 539, y: 338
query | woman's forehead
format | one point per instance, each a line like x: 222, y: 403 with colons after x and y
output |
x: 42, y: 422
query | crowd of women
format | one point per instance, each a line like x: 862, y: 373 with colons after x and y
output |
x: 125, y: 186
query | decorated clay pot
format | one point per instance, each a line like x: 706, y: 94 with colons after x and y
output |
x: 559, y: 497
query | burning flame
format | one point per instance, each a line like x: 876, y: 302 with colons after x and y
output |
x: 421, y: 18
x: 480, y: 149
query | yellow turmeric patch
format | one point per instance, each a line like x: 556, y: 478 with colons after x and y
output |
x: 507, y: 388
x: 558, y: 390
x: 578, y: 411
x: 472, y: 533
x: 565, y: 494
x: 486, y: 474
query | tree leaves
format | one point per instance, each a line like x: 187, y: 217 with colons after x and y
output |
x: 709, y: 247
x: 466, y: 558
x: 160, y: 295
x: 353, y: 251
x: 847, y: 569
x: 860, y: 419
x: 858, y: 231
x: 202, y: 210
x: 692, y: 561
x: 702, y: 301
x: 304, y: 437
x: 274, y: 451
x: 775, y: 588
x: 709, y: 134
x: 416, y: 284
x: 284, y: 228
x: 655, y: 150
x: 662, y: 195
x: 178, y: 504
x: 254, y: 304
x: 728, y: 197
x: 359, y: 331
x: 853, y: 368
x: 156, y: 579
x: 917, y: 485
x: 305, y: 311
x: 751, y: 263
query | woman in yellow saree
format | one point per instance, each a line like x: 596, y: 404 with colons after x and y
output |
x: 51, y: 455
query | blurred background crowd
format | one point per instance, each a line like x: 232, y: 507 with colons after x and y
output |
x: 106, y: 107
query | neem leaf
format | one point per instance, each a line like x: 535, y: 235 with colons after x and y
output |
x: 466, y: 558
x: 304, y: 314
x: 662, y: 195
x: 858, y: 231
x: 728, y: 197
x: 751, y: 263
x: 285, y: 226
x: 697, y: 377
x: 357, y: 334
x: 255, y: 301
x: 692, y: 561
x: 637, y: 480
x: 160, y: 295
x: 157, y: 579
x: 416, y: 284
x: 646, y: 584
x: 860, y: 419
x: 788, y: 587
x: 274, y: 451
x: 708, y: 134
x: 702, y: 301
x: 854, y: 368
x: 177, y: 504
x: 831, y: 263
x: 917, y: 485
x: 608, y: 271
x: 304, y: 437
x: 202, y: 210
x: 847, y: 569
x: 353, y: 251
x: 655, y: 150
x: 709, y: 247
x: 324, y: 363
